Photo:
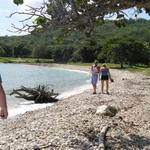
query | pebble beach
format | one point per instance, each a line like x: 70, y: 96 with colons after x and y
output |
x: 73, y: 124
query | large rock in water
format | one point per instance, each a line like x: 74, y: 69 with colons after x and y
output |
x: 106, y: 110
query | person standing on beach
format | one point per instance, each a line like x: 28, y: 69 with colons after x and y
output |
x: 95, y: 73
x: 105, y: 76
x: 3, y: 103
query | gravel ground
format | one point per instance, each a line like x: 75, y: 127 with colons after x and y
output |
x: 72, y: 123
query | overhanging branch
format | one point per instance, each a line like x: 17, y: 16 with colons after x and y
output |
x: 80, y: 16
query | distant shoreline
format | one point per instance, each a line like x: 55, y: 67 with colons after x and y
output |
x: 64, y: 66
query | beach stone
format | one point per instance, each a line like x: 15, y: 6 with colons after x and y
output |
x: 106, y: 110
x: 124, y: 78
x: 35, y: 147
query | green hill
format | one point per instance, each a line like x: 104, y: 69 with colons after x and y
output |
x: 75, y: 46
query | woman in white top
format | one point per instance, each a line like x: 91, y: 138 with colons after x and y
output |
x: 95, y: 73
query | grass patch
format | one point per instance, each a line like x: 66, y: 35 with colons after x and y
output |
x: 134, y: 69
x: 142, y: 70
x: 89, y: 64
x: 79, y: 64
x: 145, y: 71
x: 24, y: 60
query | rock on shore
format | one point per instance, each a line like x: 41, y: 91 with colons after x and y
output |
x: 73, y: 124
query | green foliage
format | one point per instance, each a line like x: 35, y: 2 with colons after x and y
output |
x: 20, y: 50
x: 88, y: 50
x: 37, y: 30
x: 2, y: 52
x: 121, y: 23
x: 40, y: 21
x: 76, y: 56
x: 77, y: 48
x: 57, y: 40
x: 145, y: 71
x: 18, y: 2
x: 23, y: 60
x: 120, y: 16
x: 124, y: 50
x: 41, y: 51
x: 62, y: 53
x: 147, y: 10
x: 99, y: 21
x: 5, y: 50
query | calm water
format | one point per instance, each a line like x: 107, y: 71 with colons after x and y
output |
x: 62, y: 81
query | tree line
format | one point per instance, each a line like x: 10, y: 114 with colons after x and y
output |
x: 107, y: 43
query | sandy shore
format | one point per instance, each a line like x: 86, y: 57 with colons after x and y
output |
x: 72, y: 124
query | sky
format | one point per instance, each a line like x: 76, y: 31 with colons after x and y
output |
x: 7, y: 7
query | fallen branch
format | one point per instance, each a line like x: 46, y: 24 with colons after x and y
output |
x: 102, y: 137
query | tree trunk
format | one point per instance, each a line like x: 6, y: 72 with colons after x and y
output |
x: 121, y: 65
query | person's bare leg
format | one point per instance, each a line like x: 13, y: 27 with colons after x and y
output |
x: 107, y: 86
x: 94, y: 88
x: 3, y: 104
x: 102, y: 86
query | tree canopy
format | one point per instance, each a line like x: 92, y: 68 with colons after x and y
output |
x: 124, y: 50
x: 78, y: 15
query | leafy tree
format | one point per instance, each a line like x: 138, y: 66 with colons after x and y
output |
x: 56, y: 53
x: 6, y: 50
x: 79, y: 15
x: 62, y: 53
x: 76, y: 56
x: 41, y: 51
x: 124, y: 50
x: 138, y: 54
x: 2, y: 52
x: 89, y: 50
x: 20, y: 50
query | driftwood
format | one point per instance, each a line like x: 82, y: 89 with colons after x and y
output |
x: 40, y: 94
x: 102, y: 137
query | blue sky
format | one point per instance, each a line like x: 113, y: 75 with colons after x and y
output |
x: 7, y: 7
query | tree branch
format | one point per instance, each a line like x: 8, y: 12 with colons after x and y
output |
x: 102, y: 137
x: 79, y: 16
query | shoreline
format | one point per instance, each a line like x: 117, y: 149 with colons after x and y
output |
x: 70, y: 124
x: 14, y: 112
x: 64, y: 95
